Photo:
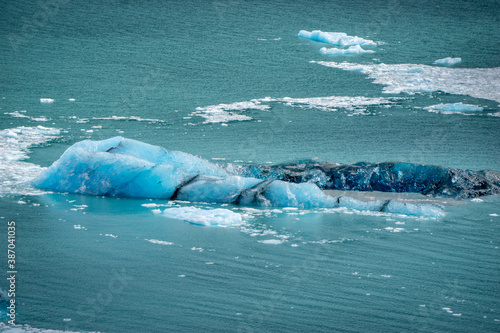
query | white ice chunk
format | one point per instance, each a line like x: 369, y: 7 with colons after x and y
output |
x: 355, y: 49
x: 448, y: 61
x: 453, y: 108
x: 271, y: 241
x: 223, y: 113
x: 331, y: 103
x: 335, y: 38
x: 207, y: 217
x: 156, y: 241
x: 129, y: 118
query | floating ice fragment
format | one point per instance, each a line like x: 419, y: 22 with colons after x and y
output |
x: 355, y: 49
x: 335, y: 38
x: 207, y: 217
x: 453, y: 108
x: 412, y: 78
x: 449, y: 61
x: 224, y: 113
x: 156, y: 241
x: 129, y: 118
x: 271, y: 241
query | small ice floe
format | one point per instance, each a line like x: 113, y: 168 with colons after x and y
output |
x: 271, y: 241
x: 207, y: 217
x: 453, y: 108
x: 355, y: 49
x: 449, y: 61
x: 335, y: 38
x: 156, y: 241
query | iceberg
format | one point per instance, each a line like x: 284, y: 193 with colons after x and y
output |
x: 335, y: 38
x: 448, y: 61
x: 355, y: 49
x: 120, y: 167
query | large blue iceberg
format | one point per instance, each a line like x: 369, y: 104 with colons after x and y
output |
x: 122, y: 167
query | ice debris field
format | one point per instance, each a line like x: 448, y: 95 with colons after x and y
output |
x: 120, y: 167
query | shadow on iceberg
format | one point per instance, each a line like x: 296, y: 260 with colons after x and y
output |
x: 120, y: 167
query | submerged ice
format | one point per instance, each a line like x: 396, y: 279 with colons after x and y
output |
x: 122, y: 167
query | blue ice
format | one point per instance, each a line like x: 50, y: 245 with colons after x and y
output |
x: 335, y: 38
x: 120, y: 167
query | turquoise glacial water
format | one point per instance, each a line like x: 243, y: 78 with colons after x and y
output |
x: 159, y: 72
